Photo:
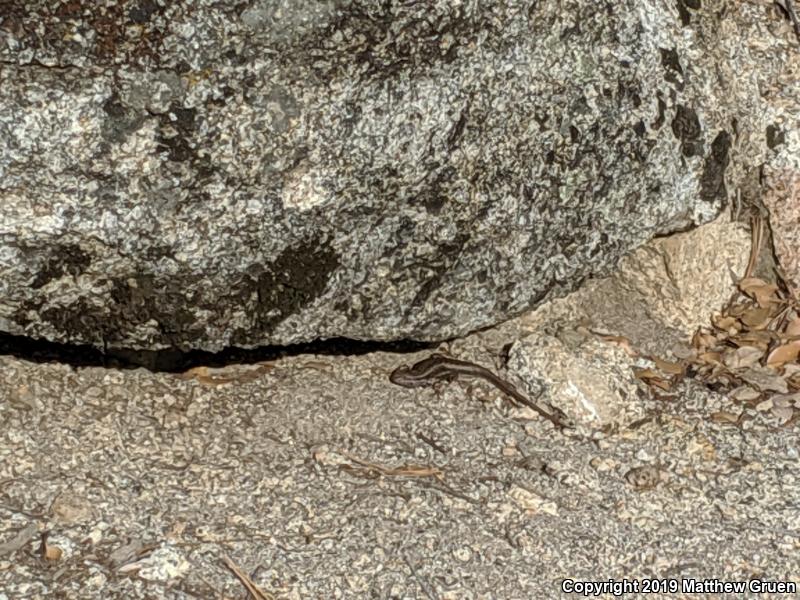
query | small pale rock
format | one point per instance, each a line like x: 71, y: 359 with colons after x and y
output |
x: 603, y: 464
x: 592, y: 384
x: 643, y: 478
x: 126, y: 553
x: 463, y: 554
x: 163, y: 564
x: 69, y: 508
x: 510, y: 451
x: 531, y: 502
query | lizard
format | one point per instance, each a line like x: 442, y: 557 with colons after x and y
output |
x: 438, y: 367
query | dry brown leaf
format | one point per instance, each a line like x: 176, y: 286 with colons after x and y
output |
x: 205, y: 376
x: 620, y: 341
x: 785, y: 353
x: 791, y: 373
x: 703, y: 340
x: 736, y: 310
x: 762, y: 328
x: 712, y: 358
x: 791, y: 370
x: 765, y: 296
x: 668, y: 366
x: 723, y: 416
x: 722, y: 378
x: 764, y: 379
x: 653, y: 378
x: 726, y: 323
x: 757, y: 339
x: 645, y: 373
x: 744, y: 394
x: 786, y: 400
x: 793, y: 328
x: 684, y: 353
x: 756, y: 318
x: 220, y: 376
x: 743, y: 357
x: 764, y: 405
x: 758, y: 289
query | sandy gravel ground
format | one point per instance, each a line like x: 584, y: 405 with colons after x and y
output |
x: 317, y: 478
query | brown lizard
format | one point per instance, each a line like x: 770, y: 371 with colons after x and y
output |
x: 438, y: 367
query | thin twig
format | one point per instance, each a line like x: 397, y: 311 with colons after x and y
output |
x: 256, y: 592
x: 431, y: 443
x: 419, y: 580
x: 446, y: 489
x: 407, y: 470
x: 789, y: 6
x: 756, y: 237
x: 736, y: 206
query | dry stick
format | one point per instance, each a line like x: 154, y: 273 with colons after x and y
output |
x: 737, y: 205
x: 756, y: 233
x: 254, y: 590
x: 407, y: 470
x: 421, y: 583
x: 757, y: 226
x: 778, y: 321
x: 756, y: 237
x: 431, y: 443
x: 789, y: 6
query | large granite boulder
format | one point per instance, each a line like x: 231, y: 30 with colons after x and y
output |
x: 200, y: 174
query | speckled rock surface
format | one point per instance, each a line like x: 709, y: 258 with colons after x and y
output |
x: 319, y: 479
x: 660, y: 294
x: 204, y: 174
x: 593, y: 385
